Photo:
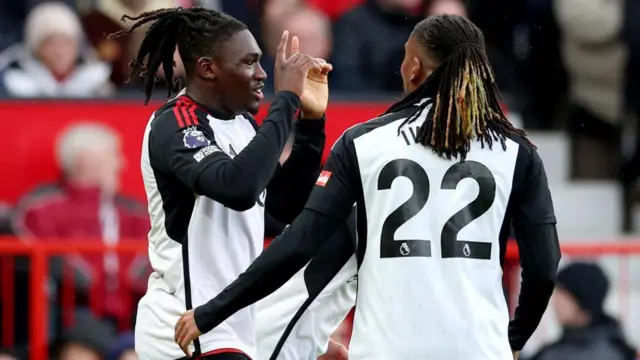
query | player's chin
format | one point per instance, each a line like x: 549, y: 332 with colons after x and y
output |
x: 253, y: 107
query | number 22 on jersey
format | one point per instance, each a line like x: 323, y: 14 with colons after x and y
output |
x: 450, y: 246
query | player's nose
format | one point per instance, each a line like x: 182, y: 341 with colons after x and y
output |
x: 260, y: 74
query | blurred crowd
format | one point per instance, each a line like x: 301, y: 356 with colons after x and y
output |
x: 561, y: 64
x: 572, y: 64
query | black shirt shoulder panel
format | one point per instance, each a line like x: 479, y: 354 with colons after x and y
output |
x: 386, y: 119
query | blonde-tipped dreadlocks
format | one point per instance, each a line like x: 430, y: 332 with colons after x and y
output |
x: 464, y: 95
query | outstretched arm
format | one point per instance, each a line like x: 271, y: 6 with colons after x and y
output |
x: 292, y: 183
x: 329, y: 206
x: 187, y: 149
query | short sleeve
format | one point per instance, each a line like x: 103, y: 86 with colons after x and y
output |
x: 337, y: 187
x: 183, y: 151
x: 533, y: 204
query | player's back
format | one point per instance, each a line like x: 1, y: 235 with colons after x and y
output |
x: 430, y: 280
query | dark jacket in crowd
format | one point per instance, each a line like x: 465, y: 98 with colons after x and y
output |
x: 603, y: 340
x: 369, y: 48
x: 631, y: 32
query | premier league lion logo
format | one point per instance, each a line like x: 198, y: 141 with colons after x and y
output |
x: 194, y: 138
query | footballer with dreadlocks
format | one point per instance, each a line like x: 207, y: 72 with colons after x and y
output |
x: 438, y: 180
x: 210, y: 172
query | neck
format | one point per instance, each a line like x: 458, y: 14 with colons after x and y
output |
x: 210, y: 101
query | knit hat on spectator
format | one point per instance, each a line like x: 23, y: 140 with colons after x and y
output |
x: 587, y: 283
x: 89, y: 332
x: 50, y: 18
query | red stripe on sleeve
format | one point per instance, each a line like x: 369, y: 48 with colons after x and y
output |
x: 192, y: 112
x: 183, y: 108
x: 178, y: 115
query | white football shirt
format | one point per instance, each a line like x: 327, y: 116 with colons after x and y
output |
x: 431, y: 240
x: 207, y: 201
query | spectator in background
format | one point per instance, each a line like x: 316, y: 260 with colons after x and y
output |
x: 12, y: 16
x: 588, y: 332
x: 8, y: 355
x: 105, y: 20
x: 86, y: 205
x: 595, y: 56
x: 369, y: 41
x: 311, y: 26
x: 631, y: 169
x: 273, y: 10
x: 88, y: 339
x: 445, y: 7
x: 124, y: 348
x: 50, y: 62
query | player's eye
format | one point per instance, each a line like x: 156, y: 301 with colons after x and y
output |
x: 250, y: 62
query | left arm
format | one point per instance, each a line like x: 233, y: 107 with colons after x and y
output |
x: 325, y: 214
x: 289, y: 189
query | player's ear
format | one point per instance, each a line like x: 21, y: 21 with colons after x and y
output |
x: 207, y: 68
x: 417, y: 71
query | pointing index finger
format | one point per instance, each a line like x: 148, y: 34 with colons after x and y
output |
x: 281, y: 55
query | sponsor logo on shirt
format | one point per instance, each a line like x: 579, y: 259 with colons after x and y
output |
x: 204, y: 152
x: 324, y: 177
x: 194, y: 138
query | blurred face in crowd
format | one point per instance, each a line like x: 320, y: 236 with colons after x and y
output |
x: 135, y: 4
x: 59, y: 53
x: 276, y: 8
x: 568, y: 312
x: 7, y: 357
x: 314, y: 31
x: 447, y: 7
x: 416, y: 65
x: 128, y: 355
x: 100, y: 166
x: 78, y: 352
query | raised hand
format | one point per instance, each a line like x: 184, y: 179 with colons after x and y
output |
x: 315, y: 97
x: 291, y: 73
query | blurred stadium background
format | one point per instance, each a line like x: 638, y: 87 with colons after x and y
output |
x: 73, y: 216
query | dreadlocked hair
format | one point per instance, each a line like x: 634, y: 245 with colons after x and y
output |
x: 462, y: 91
x: 195, y: 32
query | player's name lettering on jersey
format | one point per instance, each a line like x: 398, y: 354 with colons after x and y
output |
x: 205, y: 151
x: 410, y: 134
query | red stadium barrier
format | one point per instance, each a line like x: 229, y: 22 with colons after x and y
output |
x: 40, y: 253
x: 30, y: 128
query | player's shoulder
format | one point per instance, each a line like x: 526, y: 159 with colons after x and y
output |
x: 527, y: 153
x: 178, y: 113
x: 367, y: 127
